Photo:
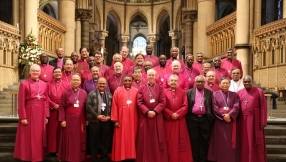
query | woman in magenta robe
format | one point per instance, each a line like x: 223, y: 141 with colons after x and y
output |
x: 223, y: 142
x: 56, y: 88
x: 178, y: 142
x: 151, y: 143
x: 125, y: 117
x: 252, y: 120
x: 33, y: 112
x: 72, y: 144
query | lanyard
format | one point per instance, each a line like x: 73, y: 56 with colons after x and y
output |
x: 102, y: 97
x: 76, y: 96
x: 93, y: 82
x: 225, y: 100
x: 151, y: 91
x: 118, y: 83
x: 201, y: 97
x: 57, y: 88
x: 189, y: 76
x: 128, y: 95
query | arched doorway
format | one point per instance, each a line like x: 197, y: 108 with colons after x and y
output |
x: 139, y: 45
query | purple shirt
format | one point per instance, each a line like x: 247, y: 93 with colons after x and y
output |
x: 199, y: 107
x: 91, y: 85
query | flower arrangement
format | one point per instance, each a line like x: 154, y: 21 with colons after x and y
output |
x: 30, y: 51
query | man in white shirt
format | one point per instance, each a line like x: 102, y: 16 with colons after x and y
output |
x: 236, y: 83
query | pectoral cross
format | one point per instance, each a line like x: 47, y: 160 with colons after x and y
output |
x: 38, y: 96
x: 201, y: 107
x: 245, y: 102
x: 102, y: 108
x: 45, y: 75
x: 77, y: 102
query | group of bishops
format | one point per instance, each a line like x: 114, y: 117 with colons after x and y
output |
x: 150, y: 109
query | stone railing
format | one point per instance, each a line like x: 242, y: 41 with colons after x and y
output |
x: 221, y: 35
x: 139, y: 1
x: 51, y: 33
x: 9, y: 50
x: 269, y: 55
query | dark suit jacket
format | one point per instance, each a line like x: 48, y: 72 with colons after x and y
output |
x: 54, y: 62
x: 191, y: 94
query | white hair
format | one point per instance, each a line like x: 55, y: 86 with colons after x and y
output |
x: 200, y: 76
x: 151, y: 71
x: 176, y: 62
x: 118, y: 63
x: 211, y: 72
x: 173, y: 76
x: 34, y: 66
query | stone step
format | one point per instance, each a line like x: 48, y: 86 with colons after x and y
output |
x: 275, y: 140
x: 275, y: 130
x: 8, y: 128
x: 7, y: 147
x: 276, y: 157
x: 8, y: 157
x: 7, y: 137
x: 276, y: 149
x: 5, y: 96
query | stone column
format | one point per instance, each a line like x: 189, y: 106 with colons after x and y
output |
x: 189, y: 16
x: 242, y: 34
x: 284, y: 9
x: 175, y: 36
x: 67, y: 17
x: 153, y: 38
x: 84, y: 15
x: 31, y: 17
x: 123, y: 39
x: 78, y: 35
x: 257, y: 13
x: 101, y: 36
x: 16, y: 12
x: 206, y: 17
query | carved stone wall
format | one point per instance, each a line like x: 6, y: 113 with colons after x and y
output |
x: 51, y: 33
x: 269, y: 50
x: 221, y: 35
x: 9, y: 49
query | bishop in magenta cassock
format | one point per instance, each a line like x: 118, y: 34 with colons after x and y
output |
x: 33, y: 113
x: 74, y: 57
x: 178, y: 142
x: 151, y: 139
x: 86, y: 73
x: 189, y: 71
x: 230, y: 63
x: 115, y: 80
x: 252, y: 120
x: 174, y: 56
x: 82, y: 62
x: 210, y: 81
x: 219, y: 72
x: 138, y: 79
x: 126, y: 62
x: 150, y: 57
x: 56, y: 87
x: 110, y: 71
x: 139, y: 61
x: 199, y: 64
x: 46, y: 69
x: 68, y: 71
x: 125, y: 117
x: 72, y: 144
x: 224, y: 145
x: 183, y: 80
x: 98, y: 62
x: 162, y: 69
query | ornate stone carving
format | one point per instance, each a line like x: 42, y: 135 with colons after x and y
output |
x: 190, y: 16
x: 50, y: 21
x: 226, y: 22
x: 152, y: 38
x: 83, y: 14
x: 175, y: 34
x: 124, y: 38
x: 101, y: 34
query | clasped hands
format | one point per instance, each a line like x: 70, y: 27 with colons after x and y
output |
x: 226, y: 118
x: 103, y: 118
x: 151, y: 114
x: 175, y: 116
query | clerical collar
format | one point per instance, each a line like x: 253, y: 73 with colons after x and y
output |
x: 210, y: 84
x: 137, y: 81
x: 35, y: 80
x: 229, y: 60
x: 75, y: 89
x: 67, y: 72
x: 60, y: 58
x: 118, y: 74
x: 44, y: 64
x: 151, y: 84
x: 200, y: 90
x: 173, y: 89
x: 95, y: 80
x: 102, y: 92
x: 58, y: 80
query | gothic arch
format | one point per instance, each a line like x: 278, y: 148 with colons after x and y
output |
x: 160, y: 18
x: 178, y: 21
x: 97, y: 19
x: 136, y: 13
x: 114, y: 16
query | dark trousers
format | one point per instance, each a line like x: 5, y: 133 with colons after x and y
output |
x: 199, y: 131
x: 100, y: 138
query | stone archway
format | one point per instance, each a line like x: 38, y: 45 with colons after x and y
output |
x: 163, y: 27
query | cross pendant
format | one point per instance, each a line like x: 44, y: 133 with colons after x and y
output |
x: 245, y: 102
x: 38, y: 96
x: 201, y: 107
x: 102, y: 108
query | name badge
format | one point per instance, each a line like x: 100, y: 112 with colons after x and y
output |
x: 103, y: 104
x: 129, y: 102
x: 152, y: 100
x: 190, y: 79
x: 225, y: 108
x: 75, y: 105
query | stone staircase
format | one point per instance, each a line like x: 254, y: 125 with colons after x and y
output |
x: 6, y: 100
